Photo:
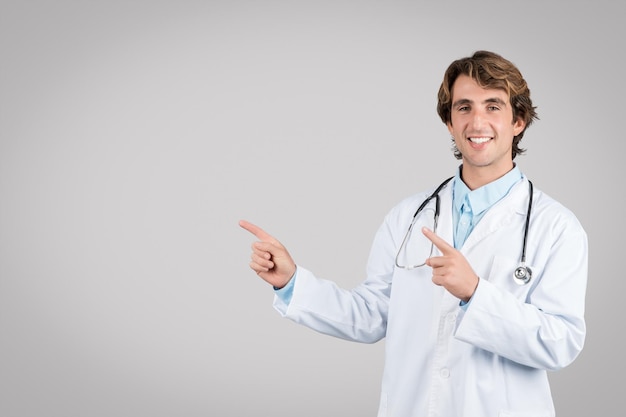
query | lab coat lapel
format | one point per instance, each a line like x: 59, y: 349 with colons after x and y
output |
x: 501, y: 214
x: 447, y: 303
x: 444, y: 228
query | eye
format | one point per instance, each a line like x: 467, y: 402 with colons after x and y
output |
x: 493, y: 108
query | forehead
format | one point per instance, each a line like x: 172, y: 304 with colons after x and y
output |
x: 467, y: 88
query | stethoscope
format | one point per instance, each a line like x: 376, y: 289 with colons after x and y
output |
x: 522, y: 274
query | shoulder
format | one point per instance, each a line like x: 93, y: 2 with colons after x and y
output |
x: 547, y: 210
x: 404, y: 210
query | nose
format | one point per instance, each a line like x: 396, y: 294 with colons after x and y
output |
x: 477, y: 121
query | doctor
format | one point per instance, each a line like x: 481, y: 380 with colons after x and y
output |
x: 465, y: 334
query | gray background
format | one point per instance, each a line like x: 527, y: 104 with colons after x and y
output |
x: 135, y: 134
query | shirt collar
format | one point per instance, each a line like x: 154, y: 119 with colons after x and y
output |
x: 484, y: 197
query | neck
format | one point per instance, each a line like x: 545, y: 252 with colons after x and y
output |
x: 476, y: 177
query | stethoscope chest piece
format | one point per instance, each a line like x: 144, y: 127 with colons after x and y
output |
x: 522, y: 275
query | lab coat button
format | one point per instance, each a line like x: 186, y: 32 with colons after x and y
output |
x: 451, y: 317
x: 444, y: 372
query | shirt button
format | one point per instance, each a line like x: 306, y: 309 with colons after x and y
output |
x: 444, y: 372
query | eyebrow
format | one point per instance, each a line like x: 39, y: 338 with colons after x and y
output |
x: 495, y: 100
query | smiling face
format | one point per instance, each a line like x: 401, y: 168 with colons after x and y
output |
x: 482, y: 125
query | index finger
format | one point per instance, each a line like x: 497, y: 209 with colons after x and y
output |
x: 256, y: 231
x: 441, y: 244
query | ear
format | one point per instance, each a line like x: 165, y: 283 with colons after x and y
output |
x: 449, y: 124
x: 518, y: 126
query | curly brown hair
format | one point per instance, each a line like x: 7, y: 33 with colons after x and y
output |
x: 489, y: 70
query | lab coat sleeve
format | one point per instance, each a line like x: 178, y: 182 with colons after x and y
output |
x: 359, y: 314
x: 547, y: 329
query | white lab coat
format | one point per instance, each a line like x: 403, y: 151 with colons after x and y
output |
x: 441, y: 360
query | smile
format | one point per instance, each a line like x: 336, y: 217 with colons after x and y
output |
x: 479, y: 140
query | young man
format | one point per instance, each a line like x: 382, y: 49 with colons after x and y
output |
x: 477, y: 306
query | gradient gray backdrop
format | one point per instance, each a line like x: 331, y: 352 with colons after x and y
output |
x: 135, y: 134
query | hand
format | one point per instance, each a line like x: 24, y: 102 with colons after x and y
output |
x: 270, y: 259
x: 451, y: 270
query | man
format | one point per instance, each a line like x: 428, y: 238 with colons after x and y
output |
x: 472, y: 328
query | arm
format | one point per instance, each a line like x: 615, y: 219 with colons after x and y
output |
x: 547, y: 329
x: 358, y: 315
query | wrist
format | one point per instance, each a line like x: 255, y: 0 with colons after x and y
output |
x: 471, y: 293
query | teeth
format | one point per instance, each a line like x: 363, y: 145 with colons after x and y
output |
x: 479, y: 140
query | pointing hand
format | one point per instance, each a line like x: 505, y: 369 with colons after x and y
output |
x: 451, y: 270
x: 270, y: 259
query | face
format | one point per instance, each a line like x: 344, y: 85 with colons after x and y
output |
x: 483, y: 129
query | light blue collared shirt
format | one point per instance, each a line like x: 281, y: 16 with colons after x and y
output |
x: 469, y: 206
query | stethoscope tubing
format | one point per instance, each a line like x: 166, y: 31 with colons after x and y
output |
x: 522, y: 274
